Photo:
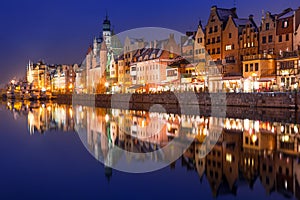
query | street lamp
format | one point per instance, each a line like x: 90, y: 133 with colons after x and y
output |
x: 106, y: 84
x: 254, y: 76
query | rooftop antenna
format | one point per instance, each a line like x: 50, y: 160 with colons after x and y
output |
x: 106, y: 15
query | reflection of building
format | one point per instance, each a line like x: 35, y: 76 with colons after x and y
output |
x: 288, y: 140
x: 50, y: 117
x: 250, y: 150
x: 267, y: 172
x: 284, y: 174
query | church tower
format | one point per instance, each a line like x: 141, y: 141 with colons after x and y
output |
x: 106, y: 32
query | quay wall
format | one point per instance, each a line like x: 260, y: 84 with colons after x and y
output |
x: 290, y: 100
x: 253, y: 100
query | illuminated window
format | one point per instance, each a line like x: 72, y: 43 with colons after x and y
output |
x: 228, y: 157
x: 285, y: 24
x: 228, y: 47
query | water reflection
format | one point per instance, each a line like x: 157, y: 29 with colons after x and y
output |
x: 246, y: 151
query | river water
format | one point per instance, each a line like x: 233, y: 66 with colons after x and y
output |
x: 55, y: 151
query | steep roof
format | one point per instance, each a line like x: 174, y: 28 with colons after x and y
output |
x: 286, y: 13
x: 189, y: 41
x: 224, y: 13
x: 241, y: 22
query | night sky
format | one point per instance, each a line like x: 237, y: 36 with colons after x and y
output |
x: 59, y: 31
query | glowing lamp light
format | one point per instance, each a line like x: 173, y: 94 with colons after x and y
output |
x: 106, y: 84
x: 169, y: 126
x: 296, y: 129
x: 282, y: 129
x: 106, y: 117
x: 143, y: 123
x: 254, y: 138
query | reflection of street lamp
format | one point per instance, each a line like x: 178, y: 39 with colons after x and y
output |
x: 296, y: 86
x: 106, y: 118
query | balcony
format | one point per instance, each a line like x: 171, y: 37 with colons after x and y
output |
x: 290, y: 54
x: 259, y: 57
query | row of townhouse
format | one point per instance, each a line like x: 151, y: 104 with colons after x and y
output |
x: 232, y: 53
x: 227, y: 54
x: 42, y: 77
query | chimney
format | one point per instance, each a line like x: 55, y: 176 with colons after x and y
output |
x: 251, y: 17
x: 213, y: 8
x: 233, y: 10
x: 171, y: 36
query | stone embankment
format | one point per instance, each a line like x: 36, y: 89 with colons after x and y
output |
x: 254, y: 100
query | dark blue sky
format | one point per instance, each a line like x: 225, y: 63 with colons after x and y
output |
x: 59, y: 31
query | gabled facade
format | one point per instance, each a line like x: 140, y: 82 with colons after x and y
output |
x: 267, y: 34
x: 150, y: 63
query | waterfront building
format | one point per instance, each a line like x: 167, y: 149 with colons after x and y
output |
x: 96, y: 61
x: 126, y: 70
x: 259, y: 73
x: 80, y: 80
x: 101, y: 63
x: 286, y: 48
x: 150, y: 64
x: 63, y: 78
x: 287, y: 70
x: 267, y: 34
x: 38, y: 76
x: 200, y: 57
x: 187, y: 47
x: 285, y: 28
x: 214, y: 38
x: 231, y: 54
